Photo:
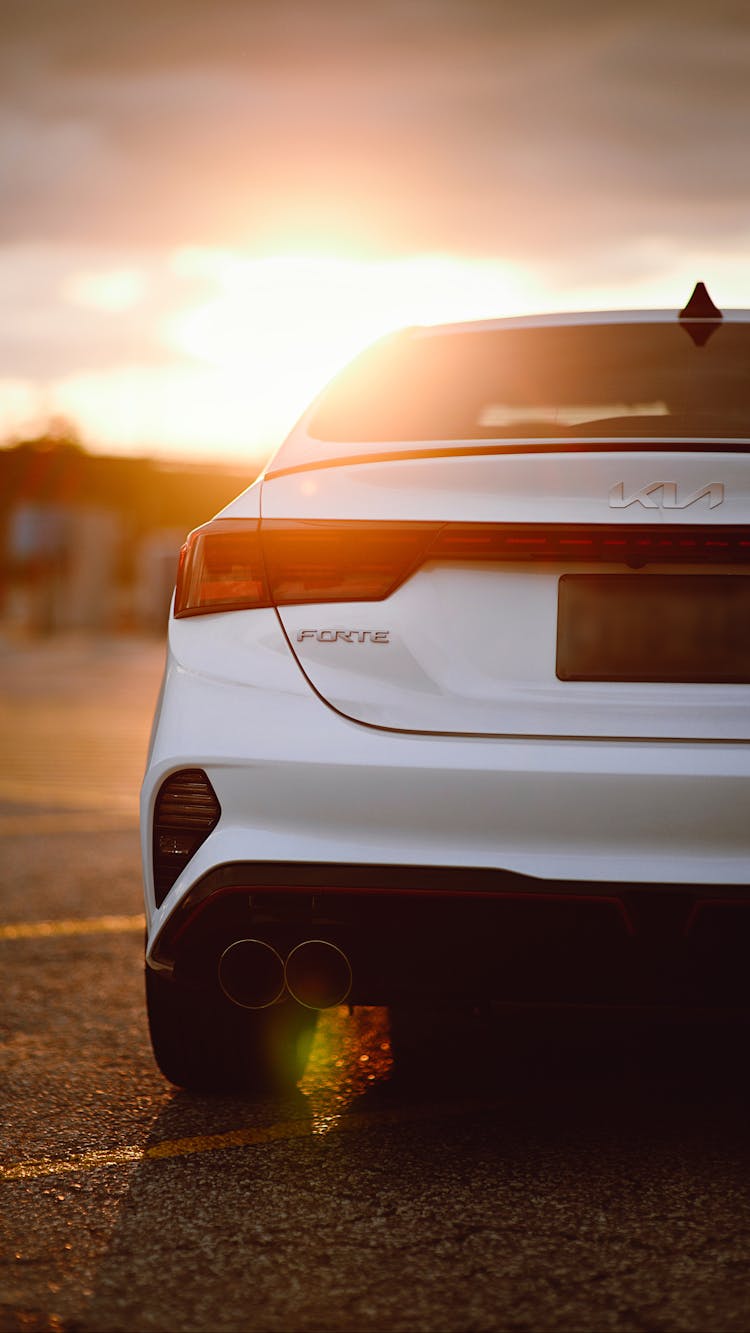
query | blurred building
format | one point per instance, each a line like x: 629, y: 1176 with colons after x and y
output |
x: 89, y: 542
x: 156, y: 566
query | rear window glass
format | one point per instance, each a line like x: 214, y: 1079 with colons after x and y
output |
x: 643, y: 380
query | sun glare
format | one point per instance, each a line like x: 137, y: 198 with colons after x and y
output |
x: 247, y: 341
x: 275, y: 329
x: 113, y: 291
x: 243, y: 342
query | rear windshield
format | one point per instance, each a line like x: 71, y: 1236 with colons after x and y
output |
x: 643, y: 380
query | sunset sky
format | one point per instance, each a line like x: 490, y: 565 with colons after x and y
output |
x: 209, y: 205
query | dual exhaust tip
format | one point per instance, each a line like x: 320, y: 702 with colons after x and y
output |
x: 317, y: 974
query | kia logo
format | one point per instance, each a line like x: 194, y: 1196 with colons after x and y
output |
x: 664, y: 495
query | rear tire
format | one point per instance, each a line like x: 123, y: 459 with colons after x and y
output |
x: 205, y: 1043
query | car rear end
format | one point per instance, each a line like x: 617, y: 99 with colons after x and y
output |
x: 458, y: 692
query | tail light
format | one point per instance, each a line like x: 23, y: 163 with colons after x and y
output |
x: 185, y: 812
x: 231, y: 564
x: 221, y: 568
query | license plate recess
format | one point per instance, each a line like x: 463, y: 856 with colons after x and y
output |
x: 670, y: 628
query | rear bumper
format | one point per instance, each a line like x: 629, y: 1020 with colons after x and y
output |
x: 475, y: 936
x: 301, y: 786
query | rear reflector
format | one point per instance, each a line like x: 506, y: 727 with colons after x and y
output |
x: 185, y: 812
x: 232, y: 564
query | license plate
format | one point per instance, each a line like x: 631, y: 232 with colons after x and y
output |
x: 691, y: 628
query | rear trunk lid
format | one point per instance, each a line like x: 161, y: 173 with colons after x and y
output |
x: 560, y: 593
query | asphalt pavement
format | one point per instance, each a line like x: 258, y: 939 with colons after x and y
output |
x: 533, y: 1172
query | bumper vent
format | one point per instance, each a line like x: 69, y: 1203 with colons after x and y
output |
x: 186, y: 811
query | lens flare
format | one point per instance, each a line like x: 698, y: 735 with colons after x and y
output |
x: 350, y: 1054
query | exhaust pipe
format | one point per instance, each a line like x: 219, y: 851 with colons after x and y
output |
x: 318, y: 974
x: 251, y: 974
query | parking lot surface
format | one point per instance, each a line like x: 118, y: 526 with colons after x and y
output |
x: 532, y: 1172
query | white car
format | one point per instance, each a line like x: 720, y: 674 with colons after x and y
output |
x: 457, y: 700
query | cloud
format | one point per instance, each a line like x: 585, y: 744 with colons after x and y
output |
x: 450, y: 124
x: 69, y: 312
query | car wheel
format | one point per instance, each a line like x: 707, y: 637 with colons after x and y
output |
x: 205, y: 1043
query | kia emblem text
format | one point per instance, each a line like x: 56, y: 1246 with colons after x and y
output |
x: 664, y: 495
